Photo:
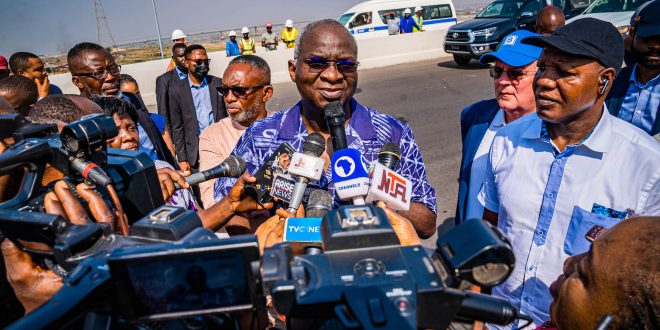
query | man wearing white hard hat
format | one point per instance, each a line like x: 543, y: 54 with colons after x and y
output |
x: 289, y: 34
x: 419, y: 18
x: 246, y: 44
x: 178, y: 37
x: 231, y: 46
x: 407, y: 22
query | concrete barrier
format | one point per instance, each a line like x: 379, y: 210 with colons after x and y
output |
x: 372, y: 53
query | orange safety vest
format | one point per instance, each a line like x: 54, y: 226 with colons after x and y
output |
x: 247, y: 45
x: 289, y: 37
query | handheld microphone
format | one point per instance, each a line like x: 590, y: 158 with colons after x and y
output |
x: 350, y: 176
x: 232, y: 167
x: 306, y: 166
x: 334, y: 117
x: 277, y: 163
x: 308, y: 229
x: 387, y: 185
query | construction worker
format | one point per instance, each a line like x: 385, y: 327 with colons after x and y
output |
x: 246, y: 44
x: 419, y: 19
x: 269, y: 39
x: 178, y: 37
x: 407, y: 23
x: 289, y: 34
x: 231, y: 46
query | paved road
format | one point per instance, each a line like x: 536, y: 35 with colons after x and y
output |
x: 430, y: 94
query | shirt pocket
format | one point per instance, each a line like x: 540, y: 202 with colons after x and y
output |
x: 581, y: 222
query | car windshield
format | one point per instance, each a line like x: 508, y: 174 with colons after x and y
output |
x: 500, y: 9
x: 612, y: 6
x: 345, y: 18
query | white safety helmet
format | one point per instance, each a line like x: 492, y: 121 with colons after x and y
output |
x: 407, y: 11
x: 232, y: 33
x: 178, y: 34
x: 245, y: 30
x: 288, y: 23
x: 418, y: 8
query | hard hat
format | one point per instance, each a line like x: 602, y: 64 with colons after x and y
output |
x: 232, y: 33
x: 178, y: 34
x: 418, y: 8
x: 245, y: 30
x: 289, y: 23
x: 269, y: 25
x: 407, y: 11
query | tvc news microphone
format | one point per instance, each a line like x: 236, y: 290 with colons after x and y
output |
x: 386, y: 184
x: 350, y: 176
x: 306, y: 166
x: 232, y: 167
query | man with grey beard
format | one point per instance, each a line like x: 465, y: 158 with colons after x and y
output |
x: 245, y: 88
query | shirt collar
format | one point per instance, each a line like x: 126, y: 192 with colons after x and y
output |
x: 202, y: 85
x: 599, y: 140
x: 633, y: 79
x: 182, y: 75
x: 360, y: 122
x: 498, y: 120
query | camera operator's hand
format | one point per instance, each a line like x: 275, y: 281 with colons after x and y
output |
x: 32, y: 284
x: 63, y: 202
x: 402, y: 227
x: 271, y: 231
x: 167, y: 177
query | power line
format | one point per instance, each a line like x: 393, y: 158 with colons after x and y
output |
x: 102, y: 26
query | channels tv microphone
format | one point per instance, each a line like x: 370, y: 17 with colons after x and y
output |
x: 386, y: 184
x: 350, y: 176
x: 334, y: 117
x: 308, y: 229
x: 306, y: 166
x: 232, y: 167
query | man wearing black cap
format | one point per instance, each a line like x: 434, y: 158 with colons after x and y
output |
x: 553, y: 175
x: 635, y: 95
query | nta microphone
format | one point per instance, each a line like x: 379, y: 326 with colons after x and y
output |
x: 232, y: 167
x: 334, y: 116
x: 306, y: 166
x: 386, y: 184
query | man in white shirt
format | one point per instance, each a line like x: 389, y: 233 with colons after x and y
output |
x: 245, y: 89
x: 513, y: 73
x: 555, y: 174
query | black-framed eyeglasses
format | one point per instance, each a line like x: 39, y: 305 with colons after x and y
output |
x: 101, y: 75
x: 240, y: 92
x: 200, y: 61
x: 320, y: 64
x: 515, y: 74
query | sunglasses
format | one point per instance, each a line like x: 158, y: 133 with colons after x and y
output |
x: 320, y: 64
x: 201, y: 61
x: 239, y: 91
x: 496, y: 73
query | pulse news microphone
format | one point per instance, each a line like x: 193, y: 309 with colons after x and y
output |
x: 334, y: 117
x: 350, y: 176
x: 306, y: 166
x: 232, y: 167
x: 386, y: 184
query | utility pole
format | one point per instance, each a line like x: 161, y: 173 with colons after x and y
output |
x: 102, y: 24
x: 160, y: 42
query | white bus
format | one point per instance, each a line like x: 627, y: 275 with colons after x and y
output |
x: 368, y: 19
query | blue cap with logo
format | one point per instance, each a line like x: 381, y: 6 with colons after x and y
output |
x: 514, y: 53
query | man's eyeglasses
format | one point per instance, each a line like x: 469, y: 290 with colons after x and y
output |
x: 515, y: 74
x: 101, y: 75
x: 320, y: 64
x: 200, y: 61
x: 239, y: 91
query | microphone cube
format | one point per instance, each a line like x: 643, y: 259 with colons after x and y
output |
x: 306, y: 166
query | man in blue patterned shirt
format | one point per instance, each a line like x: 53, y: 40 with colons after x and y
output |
x: 325, y: 70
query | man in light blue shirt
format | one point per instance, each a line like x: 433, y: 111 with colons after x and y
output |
x: 553, y: 175
x: 635, y: 96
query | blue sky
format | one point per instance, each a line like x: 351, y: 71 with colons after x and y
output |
x: 54, y: 26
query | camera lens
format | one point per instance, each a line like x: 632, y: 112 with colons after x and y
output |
x: 88, y: 134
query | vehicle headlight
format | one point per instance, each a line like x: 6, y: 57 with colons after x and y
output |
x: 623, y: 29
x: 485, y: 32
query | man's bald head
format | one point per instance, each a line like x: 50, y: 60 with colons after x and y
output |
x: 325, y: 25
x: 87, y: 106
x: 550, y: 19
x: 5, y: 107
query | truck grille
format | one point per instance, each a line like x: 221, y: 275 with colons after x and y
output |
x: 458, y: 36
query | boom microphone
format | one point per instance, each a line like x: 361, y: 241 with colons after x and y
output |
x: 334, y: 116
x: 232, y: 167
x: 306, y: 166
